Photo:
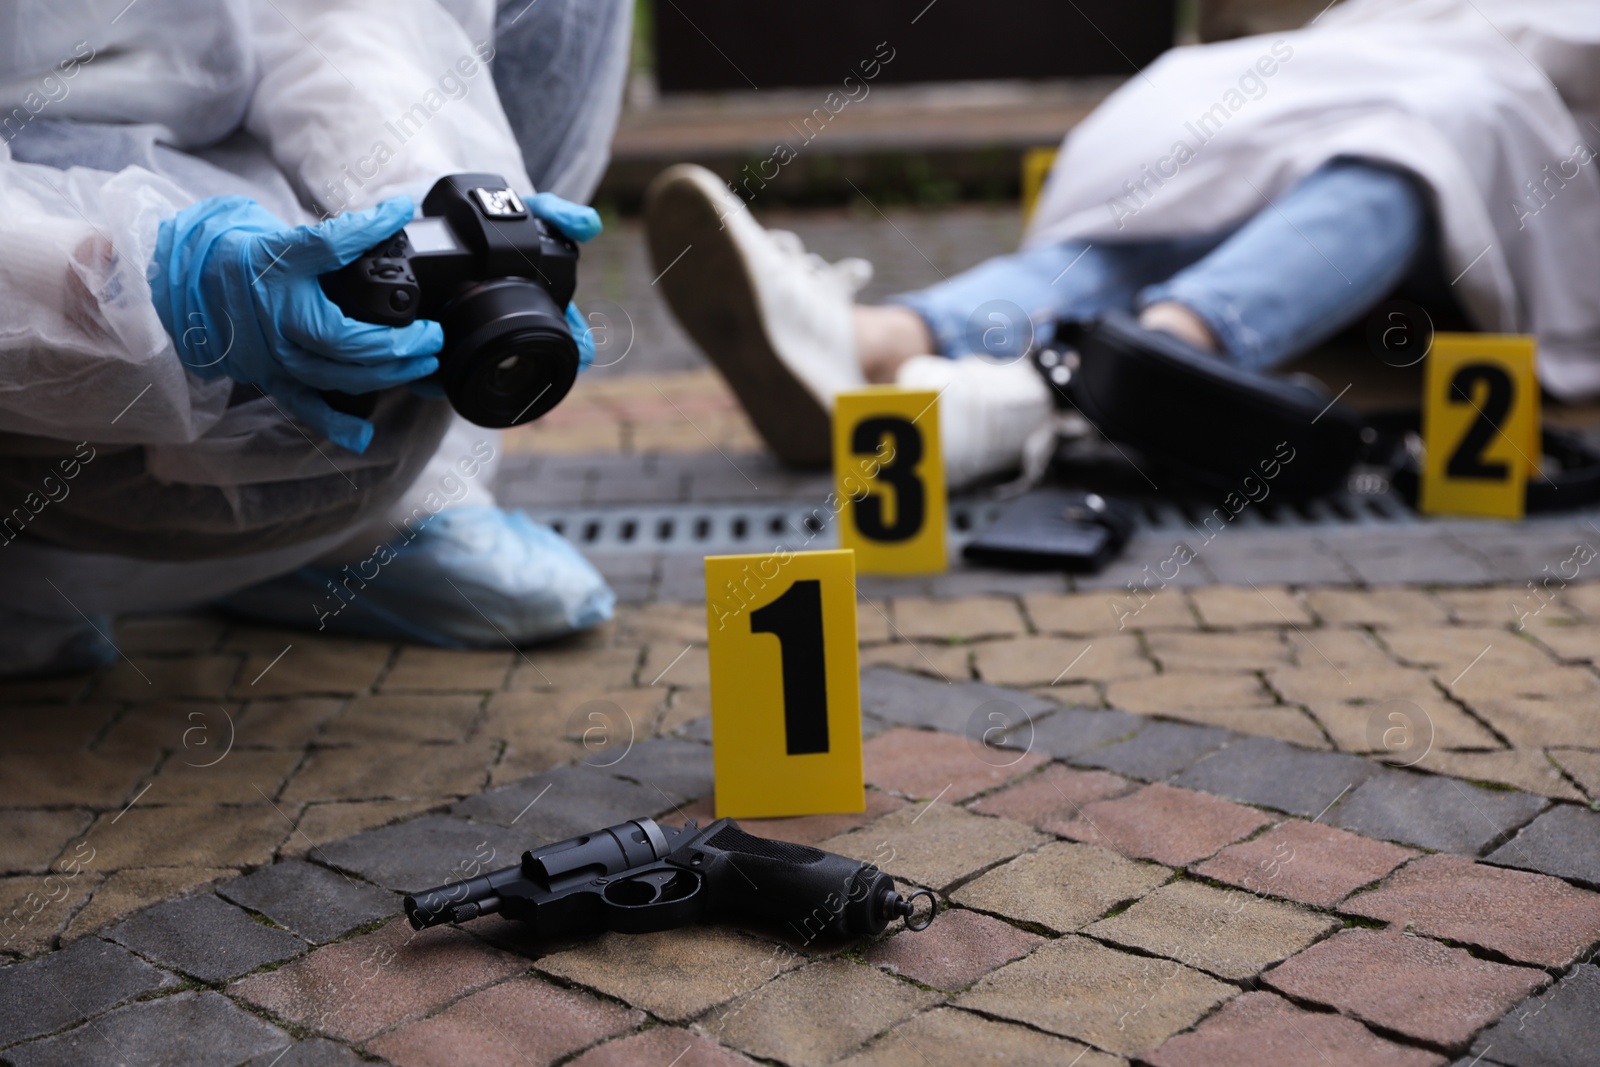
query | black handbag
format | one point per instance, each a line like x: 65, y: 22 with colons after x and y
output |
x: 1192, y: 414
x: 1197, y: 416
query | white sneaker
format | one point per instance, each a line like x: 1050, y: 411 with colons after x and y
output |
x: 775, y: 319
x: 987, y: 411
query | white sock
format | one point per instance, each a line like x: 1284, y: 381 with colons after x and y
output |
x: 987, y: 411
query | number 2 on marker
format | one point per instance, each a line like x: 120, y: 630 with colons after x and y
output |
x: 785, y: 687
x: 1480, y: 425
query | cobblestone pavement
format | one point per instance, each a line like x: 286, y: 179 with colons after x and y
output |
x: 1332, y: 795
x: 1187, y: 859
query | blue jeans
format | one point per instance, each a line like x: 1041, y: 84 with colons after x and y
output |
x: 1292, y: 276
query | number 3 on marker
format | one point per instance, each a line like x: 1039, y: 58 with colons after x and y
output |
x: 1480, y: 425
x: 785, y: 687
x: 889, y: 480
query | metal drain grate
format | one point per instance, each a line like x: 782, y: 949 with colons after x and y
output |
x: 709, y: 529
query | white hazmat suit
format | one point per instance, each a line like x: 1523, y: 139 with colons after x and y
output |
x: 127, y: 483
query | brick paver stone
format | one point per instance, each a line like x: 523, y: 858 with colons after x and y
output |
x: 816, y: 1014
x: 1554, y: 1029
x: 1071, y: 731
x: 196, y: 1029
x: 1228, y: 932
x: 39, y: 778
x: 925, y: 764
x: 1163, y: 823
x: 393, y: 770
x: 1538, y: 721
x: 1272, y: 774
x: 1375, y: 607
x: 447, y: 670
x: 1079, y: 988
x: 964, y: 617
x: 946, y: 1035
x: 1410, y: 985
x: 206, y: 937
x: 935, y: 844
x: 679, y: 770
x: 563, y: 803
x: 1053, y: 795
x: 128, y: 890
x: 1583, y: 766
x: 1063, y: 886
x: 1188, y: 689
x: 310, y: 1052
x: 353, y: 989
x: 1521, y: 768
x: 1564, y: 841
x: 1263, y: 1030
x: 325, y: 666
x: 958, y: 708
x: 426, y: 852
x: 662, y: 1045
x: 959, y: 948
x: 29, y: 840
x: 188, y: 835
x: 1158, y: 751
x: 83, y: 979
x: 1095, y: 613
x: 1307, y: 862
x: 525, y: 1022
x: 1528, y: 917
x: 1228, y: 607
x: 1028, y: 661
x: 1434, y: 811
x: 675, y: 974
x: 1286, y: 723
x: 1206, y: 652
x: 390, y: 717
x: 314, y: 902
x: 946, y: 663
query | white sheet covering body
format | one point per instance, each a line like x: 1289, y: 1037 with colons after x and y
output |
x: 1493, y: 103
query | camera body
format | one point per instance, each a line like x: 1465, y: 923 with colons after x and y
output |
x: 496, y: 278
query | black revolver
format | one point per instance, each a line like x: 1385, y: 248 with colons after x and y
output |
x: 638, y: 877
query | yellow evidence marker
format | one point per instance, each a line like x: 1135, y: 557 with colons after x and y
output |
x: 889, y: 477
x: 1036, y: 164
x: 785, y: 684
x: 1480, y: 425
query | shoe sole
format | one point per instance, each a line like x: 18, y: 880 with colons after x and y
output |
x: 714, y: 299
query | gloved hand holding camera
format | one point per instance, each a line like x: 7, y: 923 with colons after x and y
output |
x: 349, y: 306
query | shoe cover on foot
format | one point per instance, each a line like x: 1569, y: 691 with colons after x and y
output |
x: 473, y: 577
x: 30, y: 645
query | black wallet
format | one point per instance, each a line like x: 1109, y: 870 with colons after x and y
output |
x: 1053, y: 529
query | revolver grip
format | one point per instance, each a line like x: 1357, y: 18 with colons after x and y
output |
x: 812, y: 892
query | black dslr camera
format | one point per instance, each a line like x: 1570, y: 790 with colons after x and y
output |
x: 497, y: 279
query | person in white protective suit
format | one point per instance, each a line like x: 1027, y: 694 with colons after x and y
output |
x: 1251, y: 197
x: 164, y: 167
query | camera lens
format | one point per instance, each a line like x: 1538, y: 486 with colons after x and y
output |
x: 509, y: 356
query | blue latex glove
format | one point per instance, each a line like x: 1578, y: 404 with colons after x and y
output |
x: 581, y: 224
x: 575, y: 220
x: 237, y: 289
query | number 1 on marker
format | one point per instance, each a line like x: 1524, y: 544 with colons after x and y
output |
x: 785, y: 684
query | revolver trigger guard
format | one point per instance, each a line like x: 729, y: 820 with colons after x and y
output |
x: 657, y: 898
